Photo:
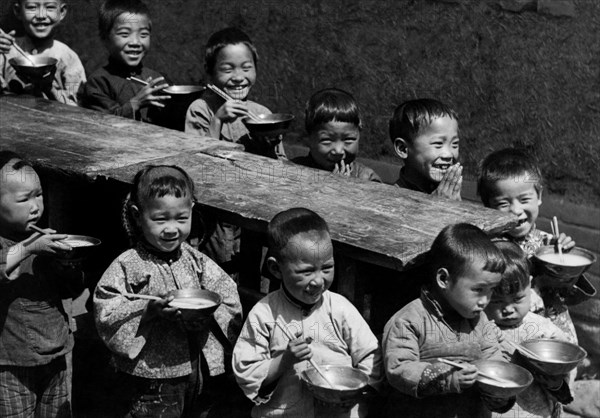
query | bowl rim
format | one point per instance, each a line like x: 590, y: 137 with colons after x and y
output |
x: 196, y: 89
x: 304, y: 377
x: 544, y: 249
x: 14, y: 61
x: 552, y: 340
x: 288, y: 118
x: 504, y: 363
x: 93, y: 240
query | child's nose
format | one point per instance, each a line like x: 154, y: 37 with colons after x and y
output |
x: 447, y: 152
x: 338, y: 148
x: 508, y: 309
x: 516, y: 208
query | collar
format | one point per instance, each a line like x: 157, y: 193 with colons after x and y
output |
x: 169, y: 257
x: 531, y: 242
x: 118, y: 68
x: 439, y: 308
x: 306, y: 308
x: 404, y: 183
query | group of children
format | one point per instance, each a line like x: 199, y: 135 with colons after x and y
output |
x: 477, y: 293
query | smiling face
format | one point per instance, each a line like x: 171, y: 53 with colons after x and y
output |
x: 21, y: 201
x: 306, y: 266
x: 235, y: 70
x: 332, y: 142
x: 518, y: 196
x: 40, y: 17
x: 469, y: 292
x: 165, y: 221
x: 128, y: 41
x: 509, y: 310
x: 429, y: 155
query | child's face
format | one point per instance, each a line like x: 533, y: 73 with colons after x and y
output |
x: 40, y: 17
x: 519, y: 197
x: 332, y: 142
x: 129, y: 39
x: 235, y: 71
x: 21, y: 201
x: 430, y: 154
x: 306, y: 266
x: 470, y: 292
x: 165, y: 221
x: 509, y: 310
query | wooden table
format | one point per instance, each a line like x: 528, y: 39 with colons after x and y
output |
x: 373, y: 223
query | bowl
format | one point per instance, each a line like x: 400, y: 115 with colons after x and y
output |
x: 350, y: 383
x: 195, y: 304
x: 82, y: 246
x: 269, y: 124
x: 519, y: 377
x: 183, y: 90
x: 561, y: 274
x: 557, y: 357
x: 44, y: 67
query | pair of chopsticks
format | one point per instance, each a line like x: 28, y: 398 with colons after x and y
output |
x: 226, y: 96
x: 311, y: 361
x: 139, y: 80
x: 20, y: 51
x: 556, y: 233
x: 38, y: 229
x: 150, y: 297
x: 524, y: 350
x: 489, y: 376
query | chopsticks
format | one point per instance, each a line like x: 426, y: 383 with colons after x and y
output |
x: 20, y: 51
x: 524, y: 350
x: 139, y: 80
x: 489, y: 376
x: 150, y: 297
x: 226, y: 96
x: 556, y: 233
x: 311, y: 361
x: 38, y: 229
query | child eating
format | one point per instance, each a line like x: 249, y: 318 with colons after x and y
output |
x: 326, y: 326
x: 447, y: 321
x: 511, y: 181
x: 40, y: 19
x: 230, y: 62
x: 333, y: 125
x: 424, y: 133
x: 125, y: 29
x: 153, y: 348
x: 509, y: 309
x: 34, y: 328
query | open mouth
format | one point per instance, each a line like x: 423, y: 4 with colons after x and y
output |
x: 238, y: 92
x: 442, y: 167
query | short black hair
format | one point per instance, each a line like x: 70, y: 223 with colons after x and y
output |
x: 223, y: 38
x: 507, y: 163
x: 460, y: 245
x: 516, y: 275
x: 330, y: 105
x: 7, y: 156
x: 290, y: 223
x: 110, y: 10
x: 412, y: 116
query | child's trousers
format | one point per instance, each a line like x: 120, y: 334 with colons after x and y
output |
x: 35, y: 392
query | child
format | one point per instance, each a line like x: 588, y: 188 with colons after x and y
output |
x: 155, y: 354
x: 40, y: 19
x: 509, y: 308
x: 333, y: 126
x: 34, y: 327
x: 230, y: 64
x: 125, y: 29
x: 511, y: 181
x: 424, y: 133
x: 327, y: 328
x: 446, y: 322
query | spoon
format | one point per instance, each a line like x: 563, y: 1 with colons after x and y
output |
x: 489, y: 376
x: 183, y: 305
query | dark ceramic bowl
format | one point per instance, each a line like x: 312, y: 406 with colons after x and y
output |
x: 82, y: 246
x: 195, y: 304
x: 519, y: 377
x: 350, y: 383
x: 561, y: 274
x: 269, y: 125
x: 44, y: 67
x: 557, y: 357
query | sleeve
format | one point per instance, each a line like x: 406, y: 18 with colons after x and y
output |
x: 4, y: 250
x: 97, y: 96
x: 72, y: 78
x: 403, y: 368
x: 118, y: 318
x: 252, y: 353
x: 198, y: 117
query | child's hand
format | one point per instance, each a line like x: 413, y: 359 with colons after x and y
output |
x: 465, y: 377
x: 231, y: 110
x: 298, y: 350
x: 343, y: 169
x: 46, y: 244
x: 565, y: 242
x: 451, y: 183
x: 148, y: 97
x: 6, y: 41
x: 550, y: 382
x: 161, y: 308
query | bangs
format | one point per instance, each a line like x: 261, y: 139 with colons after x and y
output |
x: 331, y: 105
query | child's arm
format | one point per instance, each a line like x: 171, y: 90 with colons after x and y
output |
x: 71, y: 78
x: 201, y: 119
x: 451, y: 183
x: 6, y: 41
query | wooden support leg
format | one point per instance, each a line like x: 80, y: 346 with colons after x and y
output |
x: 350, y: 283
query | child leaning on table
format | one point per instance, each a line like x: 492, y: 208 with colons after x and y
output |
x: 34, y: 333
x: 40, y: 19
x: 333, y: 125
x: 509, y: 309
x: 230, y: 63
x: 424, y: 133
x: 447, y: 321
x: 326, y: 327
x: 153, y: 348
x: 125, y: 29
x: 511, y: 181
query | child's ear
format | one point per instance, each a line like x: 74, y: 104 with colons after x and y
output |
x: 540, y: 196
x: 273, y: 267
x: 63, y: 10
x: 135, y: 213
x: 17, y: 9
x: 442, y: 278
x: 401, y: 147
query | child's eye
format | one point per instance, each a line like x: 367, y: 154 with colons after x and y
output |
x: 325, y: 141
x: 247, y: 67
x: 349, y: 140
